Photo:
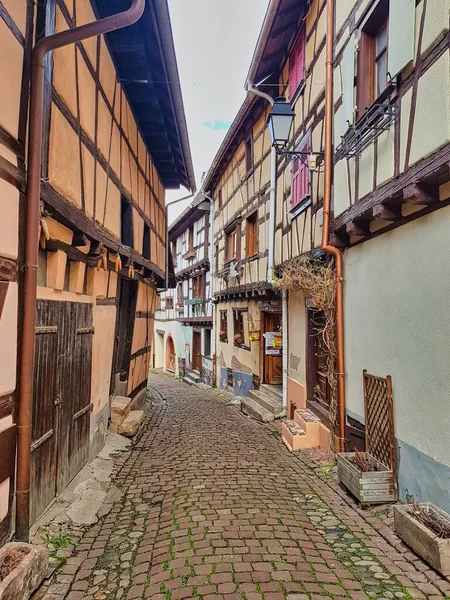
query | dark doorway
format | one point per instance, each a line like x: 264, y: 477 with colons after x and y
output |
x: 318, y: 389
x: 126, y: 316
x: 126, y: 222
x: 273, y: 361
x: 197, y: 351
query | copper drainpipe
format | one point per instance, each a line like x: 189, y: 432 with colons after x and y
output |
x: 335, y: 252
x: 41, y: 49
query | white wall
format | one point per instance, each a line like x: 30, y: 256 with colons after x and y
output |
x: 397, y: 322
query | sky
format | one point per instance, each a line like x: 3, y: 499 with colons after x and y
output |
x: 214, y: 43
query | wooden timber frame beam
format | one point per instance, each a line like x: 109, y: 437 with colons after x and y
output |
x: 74, y: 218
x: 418, y: 186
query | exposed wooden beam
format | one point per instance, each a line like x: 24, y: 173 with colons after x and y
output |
x: 385, y: 213
x: 79, y: 239
x: 337, y: 241
x: 357, y: 228
x: 416, y: 193
x: 424, y: 169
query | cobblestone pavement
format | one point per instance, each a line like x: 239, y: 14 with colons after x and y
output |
x: 215, y: 507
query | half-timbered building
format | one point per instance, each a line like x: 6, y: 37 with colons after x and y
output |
x: 391, y: 205
x: 262, y: 350
x: 113, y: 142
x: 184, y: 343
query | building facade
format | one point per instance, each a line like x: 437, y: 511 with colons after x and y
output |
x: 391, y: 197
x: 105, y: 169
x: 184, y: 342
x: 257, y: 230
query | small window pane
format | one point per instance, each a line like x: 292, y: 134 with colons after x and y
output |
x: 381, y: 39
x: 381, y: 73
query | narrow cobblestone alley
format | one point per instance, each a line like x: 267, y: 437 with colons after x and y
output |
x: 215, y: 507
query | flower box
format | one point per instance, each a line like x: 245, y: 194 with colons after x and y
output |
x: 22, y: 570
x: 420, y: 538
x: 369, y: 487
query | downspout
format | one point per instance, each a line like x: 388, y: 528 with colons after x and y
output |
x: 41, y: 49
x: 329, y: 167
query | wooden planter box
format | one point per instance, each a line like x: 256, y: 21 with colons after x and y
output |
x: 435, y: 551
x: 373, y: 487
x: 28, y: 574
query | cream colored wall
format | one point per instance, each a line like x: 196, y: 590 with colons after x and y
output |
x: 297, y: 328
x: 431, y: 120
x: 233, y: 356
x: 299, y: 234
x: 402, y: 327
x: 102, y: 354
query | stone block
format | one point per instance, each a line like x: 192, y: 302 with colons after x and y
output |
x: 27, y: 575
x: 130, y: 426
x: 120, y: 409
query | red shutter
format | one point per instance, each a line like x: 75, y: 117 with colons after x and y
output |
x: 297, y: 64
x: 295, y: 186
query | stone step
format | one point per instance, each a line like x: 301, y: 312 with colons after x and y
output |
x: 130, y: 426
x: 274, y: 390
x: 310, y: 424
x: 120, y: 409
x: 251, y: 408
x: 267, y: 401
x: 192, y: 377
x: 292, y: 435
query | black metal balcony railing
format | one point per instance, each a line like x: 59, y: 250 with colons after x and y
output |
x: 374, y: 121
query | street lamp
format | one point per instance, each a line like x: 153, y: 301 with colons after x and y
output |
x: 280, y: 122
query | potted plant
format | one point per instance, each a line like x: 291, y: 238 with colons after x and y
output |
x: 369, y: 480
x: 22, y: 569
x: 425, y: 528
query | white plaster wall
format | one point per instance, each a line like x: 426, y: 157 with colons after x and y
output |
x: 397, y: 322
x: 297, y: 328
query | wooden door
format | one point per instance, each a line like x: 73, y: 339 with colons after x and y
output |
x: 61, y: 398
x: 273, y: 363
x: 196, y: 351
x: 126, y: 316
x: 319, y: 396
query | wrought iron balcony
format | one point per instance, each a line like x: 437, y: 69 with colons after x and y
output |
x: 374, y: 121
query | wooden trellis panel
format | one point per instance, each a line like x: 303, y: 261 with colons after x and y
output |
x: 379, y: 413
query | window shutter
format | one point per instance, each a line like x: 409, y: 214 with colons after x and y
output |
x: 295, y: 170
x: 348, y: 83
x: 401, y: 35
x: 301, y: 58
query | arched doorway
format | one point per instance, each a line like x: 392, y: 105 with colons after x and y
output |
x: 170, y: 355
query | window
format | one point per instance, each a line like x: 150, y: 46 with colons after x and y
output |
x: 207, y: 344
x: 249, y: 155
x: 180, y: 296
x: 173, y: 247
x: 219, y: 196
x: 373, y: 56
x: 191, y: 238
x: 198, y: 286
x: 216, y: 257
x: 251, y: 234
x: 301, y: 175
x: 146, y: 242
x: 169, y: 302
x: 126, y: 222
x: 297, y: 64
x: 240, y: 328
x: 223, y: 335
x: 233, y: 243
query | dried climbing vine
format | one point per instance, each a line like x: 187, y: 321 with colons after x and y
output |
x: 316, y: 279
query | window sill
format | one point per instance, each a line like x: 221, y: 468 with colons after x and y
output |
x: 300, y: 207
x: 242, y: 346
x: 251, y: 257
